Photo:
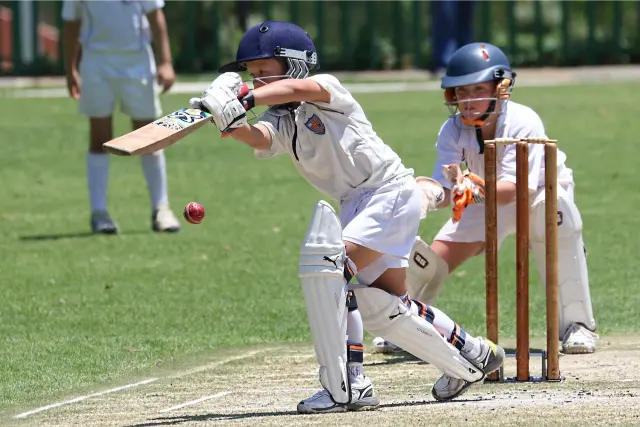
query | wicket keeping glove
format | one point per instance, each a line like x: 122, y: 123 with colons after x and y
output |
x: 468, y: 188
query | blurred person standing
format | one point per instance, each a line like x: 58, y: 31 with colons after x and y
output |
x: 108, y: 58
x: 451, y: 28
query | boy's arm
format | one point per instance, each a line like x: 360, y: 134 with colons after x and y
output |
x: 72, y: 53
x: 447, y: 153
x: 158, y: 23
x: 256, y: 136
x: 290, y: 90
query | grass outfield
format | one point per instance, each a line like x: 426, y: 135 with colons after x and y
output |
x: 77, y: 310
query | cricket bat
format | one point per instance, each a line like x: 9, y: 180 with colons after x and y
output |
x: 159, y: 134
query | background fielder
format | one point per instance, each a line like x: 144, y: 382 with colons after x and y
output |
x: 108, y: 58
x: 477, y: 87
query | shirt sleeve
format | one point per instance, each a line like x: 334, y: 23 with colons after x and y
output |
x: 530, y: 127
x: 71, y: 10
x: 449, y: 151
x: 341, y: 98
x: 150, y: 6
x: 282, y: 129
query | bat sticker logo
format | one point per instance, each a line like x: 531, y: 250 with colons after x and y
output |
x: 188, y: 115
x: 181, y: 119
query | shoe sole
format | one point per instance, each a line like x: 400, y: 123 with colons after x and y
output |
x: 578, y: 350
x: 332, y: 410
x: 166, y: 230
x: 364, y: 404
x: 495, y: 364
x: 446, y: 399
x: 107, y: 231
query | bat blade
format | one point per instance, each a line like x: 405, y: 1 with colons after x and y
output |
x: 159, y: 134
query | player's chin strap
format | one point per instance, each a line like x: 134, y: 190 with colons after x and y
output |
x: 503, y: 91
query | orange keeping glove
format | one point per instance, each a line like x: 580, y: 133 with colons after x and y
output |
x: 467, y: 188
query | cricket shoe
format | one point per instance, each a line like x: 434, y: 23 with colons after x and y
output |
x: 579, y: 340
x: 491, y: 358
x: 380, y: 345
x: 101, y: 223
x: 163, y: 220
x: 362, y: 398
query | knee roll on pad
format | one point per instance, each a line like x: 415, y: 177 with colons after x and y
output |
x: 426, y: 273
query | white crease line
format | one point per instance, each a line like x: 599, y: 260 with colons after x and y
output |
x: 195, y: 402
x: 81, y: 398
x: 224, y: 393
x: 217, y: 363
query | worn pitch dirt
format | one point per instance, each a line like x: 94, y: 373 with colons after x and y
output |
x: 264, y: 385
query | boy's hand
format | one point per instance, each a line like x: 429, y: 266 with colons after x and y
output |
x: 73, y: 84
x: 432, y: 195
x: 166, y: 76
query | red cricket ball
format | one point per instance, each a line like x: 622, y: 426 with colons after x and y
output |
x: 194, y: 213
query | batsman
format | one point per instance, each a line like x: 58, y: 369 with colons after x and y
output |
x: 477, y: 89
x: 318, y: 124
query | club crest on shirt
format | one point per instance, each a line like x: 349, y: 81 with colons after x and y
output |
x: 315, y: 125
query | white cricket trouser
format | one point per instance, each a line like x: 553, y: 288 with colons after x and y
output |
x: 386, y: 220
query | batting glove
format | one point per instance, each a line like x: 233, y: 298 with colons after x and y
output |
x: 226, y: 110
x: 432, y: 195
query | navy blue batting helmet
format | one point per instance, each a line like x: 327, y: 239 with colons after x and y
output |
x: 276, y: 39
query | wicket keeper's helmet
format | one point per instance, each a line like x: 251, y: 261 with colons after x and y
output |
x: 478, y: 63
x: 277, y: 39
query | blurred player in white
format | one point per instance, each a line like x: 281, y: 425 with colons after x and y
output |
x: 330, y: 141
x: 478, y: 85
x: 108, y: 58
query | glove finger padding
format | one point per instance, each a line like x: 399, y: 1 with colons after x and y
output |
x: 469, y: 188
x: 232, y: 81
x: 477, y: 185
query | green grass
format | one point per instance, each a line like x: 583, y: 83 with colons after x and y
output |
x: 77, y: 309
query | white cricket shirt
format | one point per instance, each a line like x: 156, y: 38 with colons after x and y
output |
x: 112, y: 26
x: 332, y: 145
x: 457, y: 143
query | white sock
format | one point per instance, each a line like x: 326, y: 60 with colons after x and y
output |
x: 355, y: 370
x: 355, y: 331
x: 155, y: 172
x: 355, y: 335
x: 97, y: 180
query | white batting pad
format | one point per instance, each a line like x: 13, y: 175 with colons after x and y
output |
x: 573, y: 278
x: 386, y: 315
x: 322, y: 257
x: 426, y: 273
